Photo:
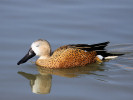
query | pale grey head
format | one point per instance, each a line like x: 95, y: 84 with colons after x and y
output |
x: 39, y: 48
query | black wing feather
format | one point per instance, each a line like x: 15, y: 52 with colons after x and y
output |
x: 99, y: 48
x: 96, y: 47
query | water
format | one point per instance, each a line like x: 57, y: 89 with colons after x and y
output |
x: 66, y: 22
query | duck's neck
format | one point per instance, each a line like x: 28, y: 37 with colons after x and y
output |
x: 44, y: 57
x: 46, y: 53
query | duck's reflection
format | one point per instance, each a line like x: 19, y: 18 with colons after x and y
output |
x: 41, y: 83
x: 72, y: 72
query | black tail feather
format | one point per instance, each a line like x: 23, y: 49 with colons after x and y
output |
x: 100, y: 49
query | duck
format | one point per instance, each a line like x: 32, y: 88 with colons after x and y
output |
x: 67, y: 56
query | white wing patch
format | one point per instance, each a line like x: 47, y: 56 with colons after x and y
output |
x: 111, y: 57
x: 100, y: 57
x: 107, y: 58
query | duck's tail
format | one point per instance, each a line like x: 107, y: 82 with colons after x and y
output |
x: 102, y: 54
x: 112, y: 56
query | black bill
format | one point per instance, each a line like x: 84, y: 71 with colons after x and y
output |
x: 29, y: 55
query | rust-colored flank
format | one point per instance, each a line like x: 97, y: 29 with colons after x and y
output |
x: 66, y: 58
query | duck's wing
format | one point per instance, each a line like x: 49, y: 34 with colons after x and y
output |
x: 93, y: 47
x: 99, y: 48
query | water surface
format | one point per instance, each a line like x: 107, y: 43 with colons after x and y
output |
x: 66, y: 22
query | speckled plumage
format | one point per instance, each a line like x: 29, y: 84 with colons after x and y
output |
x: 65, y: 57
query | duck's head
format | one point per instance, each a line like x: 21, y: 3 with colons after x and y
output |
x: 39, y: 48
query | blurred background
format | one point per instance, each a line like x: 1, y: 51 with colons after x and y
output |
x: 67, y: 22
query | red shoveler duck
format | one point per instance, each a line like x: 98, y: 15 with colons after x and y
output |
x: 67, y: 56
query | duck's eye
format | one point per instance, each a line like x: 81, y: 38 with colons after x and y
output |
x: 37, y: 45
